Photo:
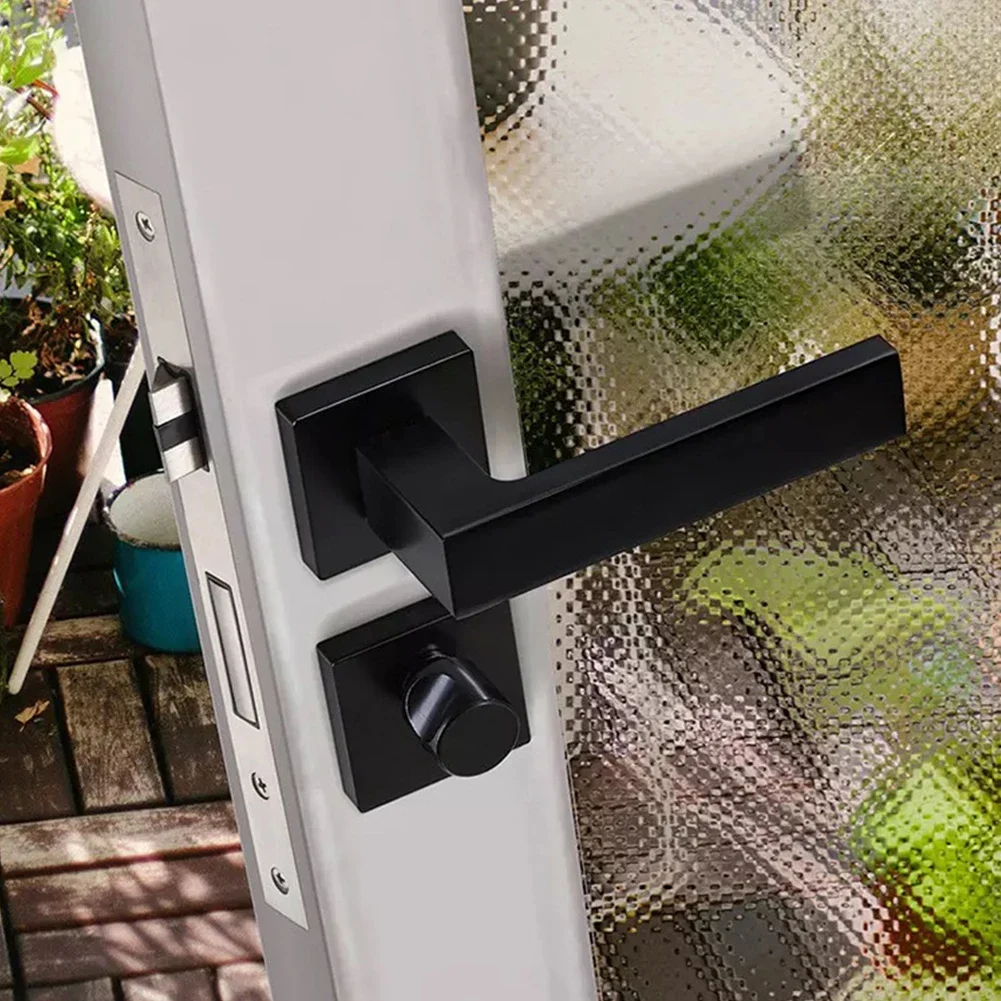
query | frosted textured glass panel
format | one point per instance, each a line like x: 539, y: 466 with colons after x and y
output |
x: 782, y: 723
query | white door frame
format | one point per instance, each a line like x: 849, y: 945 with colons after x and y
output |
x: 316, y: 182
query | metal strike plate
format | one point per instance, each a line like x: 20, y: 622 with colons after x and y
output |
x: 364, y: 674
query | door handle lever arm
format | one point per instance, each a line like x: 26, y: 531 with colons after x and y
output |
x: 474, y: 541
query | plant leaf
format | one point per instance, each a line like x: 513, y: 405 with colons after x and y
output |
x: 24, y: 363
x: 33, y: 62
x: 30, y: 166
x: 18, y: 151
x: 25, y: 716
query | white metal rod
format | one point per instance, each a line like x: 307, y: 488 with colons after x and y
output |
x: 76, y: 520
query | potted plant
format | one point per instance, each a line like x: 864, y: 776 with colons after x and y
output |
x: 25, y: 447
x: 926, y: 840
x: 60, y: 258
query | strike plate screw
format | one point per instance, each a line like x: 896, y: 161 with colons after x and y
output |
x: 146, y: 227
x: 278, y: 878
x: 260, y: 786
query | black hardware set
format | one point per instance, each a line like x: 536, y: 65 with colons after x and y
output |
x: 392, y: 458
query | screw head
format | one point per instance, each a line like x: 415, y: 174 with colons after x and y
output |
x: 260, y: 786
x: 145, y: 226
x: 278, y: 878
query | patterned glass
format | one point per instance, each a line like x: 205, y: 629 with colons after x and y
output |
x: 782, y: 723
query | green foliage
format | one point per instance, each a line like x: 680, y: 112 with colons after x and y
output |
x: 18, y: 367
x: 736, y: 285
x: 921, y: 985
x: 932, y: 834
x: 55, y: 243
x: 892, y: 186
x: 756, y: 275
x: 544, y: 377
x: 849, y: 637
x: 61, y: 246
x: 27, y: 56
x: 883, y: 200
x: 896, y: 197
x: 905, y: 234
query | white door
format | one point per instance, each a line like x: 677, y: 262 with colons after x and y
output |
x: 745, y: 745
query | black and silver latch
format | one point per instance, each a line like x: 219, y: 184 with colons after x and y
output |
x: 176, y: 422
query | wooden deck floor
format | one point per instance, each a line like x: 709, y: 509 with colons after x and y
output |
x: 121, y: 876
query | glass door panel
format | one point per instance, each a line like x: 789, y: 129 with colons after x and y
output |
x: 782, y: 723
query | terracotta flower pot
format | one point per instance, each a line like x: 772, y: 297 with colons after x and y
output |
x: 67, y: 413
x: 21, y: 424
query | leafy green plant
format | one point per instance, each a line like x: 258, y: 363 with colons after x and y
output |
x: 896, y: 190
x: 18, y: 367
x: 847, y: 635
x: 930, y: 832
x: 883, y: 205
x: 544, y: 377
x: 56, y: 244
x: 758, y: 274
x: 718, y: 292
x: 61, y: 246
x: 27, y: 56
x: 920, y: 985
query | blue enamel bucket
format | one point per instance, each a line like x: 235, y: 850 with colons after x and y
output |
x: 155, y: 600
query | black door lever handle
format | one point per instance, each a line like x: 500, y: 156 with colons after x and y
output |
x: 421, y: 486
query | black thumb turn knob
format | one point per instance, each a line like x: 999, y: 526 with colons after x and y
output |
x: 459, y: 716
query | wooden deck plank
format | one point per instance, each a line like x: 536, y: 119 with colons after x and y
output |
x: 130, y: 892
x: 126, y: 949
x: 34, y: 772
x: 92, y: 990
x: 243, y: 982
x: 185, y: 724
x: 103, y: 839
x: 191, y: 985
x: 82, y: 641
x: 112, y: 747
